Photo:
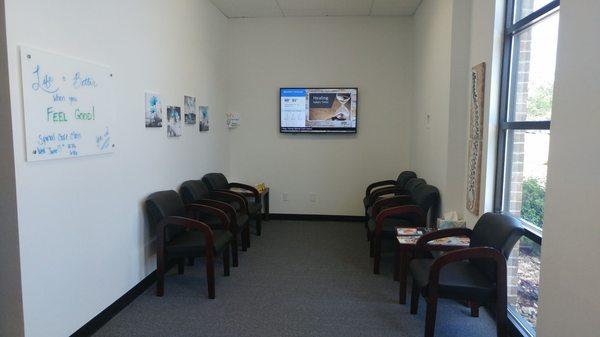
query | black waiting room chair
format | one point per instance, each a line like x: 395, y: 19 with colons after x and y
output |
x: 379, y: 188
x: 181, y: 236
x: 218, y: 182
x: 476, y: 274
x: 196, y: 192
x: 385, y: 197
x: 401, y: 211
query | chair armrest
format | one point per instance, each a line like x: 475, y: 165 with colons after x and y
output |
x: 378, y: 193
x: 400, y: 211
x: 399, y: 200
x: 442, y: 233
x: 231, y: 196
x: 187, y: 223
x: 464, y: 254
x: 379, y: 184
x: 252, y: 189
x: 223, y: 206
x: 210, y: 210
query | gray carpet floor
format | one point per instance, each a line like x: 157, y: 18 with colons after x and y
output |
x: 297, y: 279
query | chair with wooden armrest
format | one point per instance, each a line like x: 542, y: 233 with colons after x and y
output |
x: 218, y: 182
x: 196, y: 192
x: 389, y: 192
x: 476, y: 274
x: 412, y: 212
x: 373, y: 191
x: 181, y: 236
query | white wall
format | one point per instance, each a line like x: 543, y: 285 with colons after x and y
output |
x: 373, y: 54
x: 429, y: 139
x: 83, y: 238
x: 440, y: 116
x: 11, y: 305
x: 570, y: 300
x: 487, y: 32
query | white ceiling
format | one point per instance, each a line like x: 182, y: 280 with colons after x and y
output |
x: 274, y: 8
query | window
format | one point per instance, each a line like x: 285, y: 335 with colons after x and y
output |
x: 523, y: 141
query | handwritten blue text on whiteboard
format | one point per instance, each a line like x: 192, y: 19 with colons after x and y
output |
x: 68, y: 106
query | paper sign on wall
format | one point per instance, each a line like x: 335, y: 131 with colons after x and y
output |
x: 68, y: 106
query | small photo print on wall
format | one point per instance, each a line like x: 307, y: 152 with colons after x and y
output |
x: 203, y: 124
x: 173, y: 121
x: 154, y: 114
x: 190, y: 109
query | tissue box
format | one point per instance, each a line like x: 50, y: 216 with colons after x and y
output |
x: 443, y: 223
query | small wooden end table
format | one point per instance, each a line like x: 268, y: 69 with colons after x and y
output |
x: 264, y: 195
x: 406, y: 247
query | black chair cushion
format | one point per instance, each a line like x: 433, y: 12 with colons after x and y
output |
x: 459, y: 280
x: 193, y: 190
x: 389, y: 226
x: 193, y: 243
x: 254, y: 208
x: 404, y: 177
x: 215, y: 181
x: 426, y: 197
x: 413, y: 183
x: 498, y: 231
x: 215, y: 223
x: 160, y: 205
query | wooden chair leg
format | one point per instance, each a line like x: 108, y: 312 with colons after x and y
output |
x: 181, y: 266
x: 210, y: 275
x: 160, y: 274
x: 414, y: 299
x: 430, y: 316
x: 474, y: 309
x: 226, y: 261
x: 244, y: 236
x: 234, y: 250
x: 501, y: 319
x: 190, y: 261
x: 258, y: 224
x: 248, y: 236
x: 377, y: 257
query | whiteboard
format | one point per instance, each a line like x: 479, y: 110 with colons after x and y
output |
x: 68, y: 106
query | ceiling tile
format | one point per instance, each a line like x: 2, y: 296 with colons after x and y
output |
x: 361, y: 7
x: 395, y: 7
x: 267, y: 8
x: 248, y: 8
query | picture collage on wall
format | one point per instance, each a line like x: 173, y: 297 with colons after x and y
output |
x: 189, y: 104
x: 154, y: 114
x: 203, y: 125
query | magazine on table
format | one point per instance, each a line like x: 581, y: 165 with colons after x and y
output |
x: 403, y: 231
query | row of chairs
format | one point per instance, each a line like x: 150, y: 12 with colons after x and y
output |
x: 476, y: 275
x: 207, y: 218
x: 405, y: 202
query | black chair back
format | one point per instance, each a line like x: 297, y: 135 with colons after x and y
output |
x: 194, y: 190
x: 404, y: 177
x: 499, y: 231
x: 160, y: 205
x: 413, y: 183
x: 426, y: 196
x: 215, y: 181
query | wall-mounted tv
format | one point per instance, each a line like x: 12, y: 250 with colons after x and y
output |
x: 318, y: 110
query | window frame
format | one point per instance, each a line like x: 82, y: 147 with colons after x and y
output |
x: 511, y: 30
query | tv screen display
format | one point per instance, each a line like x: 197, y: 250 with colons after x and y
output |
x: 318, y: 110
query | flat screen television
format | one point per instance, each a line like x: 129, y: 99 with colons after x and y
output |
x: 318, y: 110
